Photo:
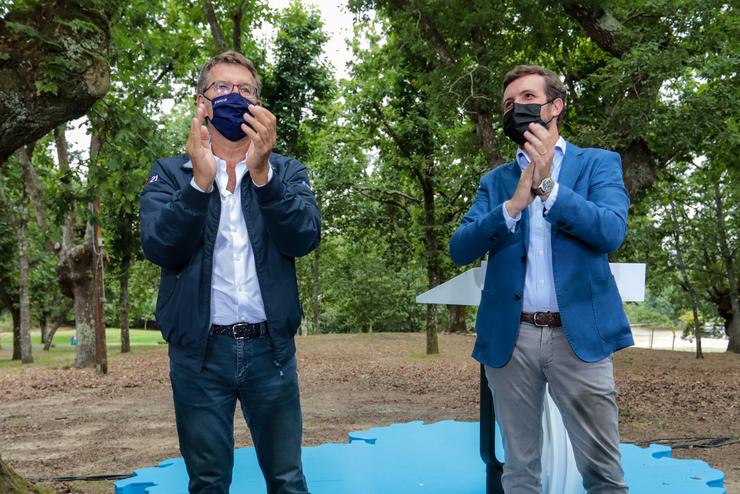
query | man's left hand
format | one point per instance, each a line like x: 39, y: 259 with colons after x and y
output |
x: 540, y: 148
x: 262, y: 134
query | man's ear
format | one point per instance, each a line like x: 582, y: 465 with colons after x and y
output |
x: 558, y: 106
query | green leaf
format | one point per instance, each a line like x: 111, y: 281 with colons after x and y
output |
x: 23, y: 28
x: 46, y: 87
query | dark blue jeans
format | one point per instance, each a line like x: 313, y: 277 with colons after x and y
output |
x: 204, y: 409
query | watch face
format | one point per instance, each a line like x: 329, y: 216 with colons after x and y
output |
x: 547, y: 185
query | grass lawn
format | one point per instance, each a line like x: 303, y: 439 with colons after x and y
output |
x: 63, y: 337
x: 63, y: 353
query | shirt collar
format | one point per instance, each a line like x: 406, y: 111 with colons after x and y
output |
x: 523, y: 160
x: 222, y: 177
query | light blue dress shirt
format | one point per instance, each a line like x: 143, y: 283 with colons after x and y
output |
x: 539, y: 284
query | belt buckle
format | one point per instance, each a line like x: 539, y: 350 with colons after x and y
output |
x: 534, y: 318
x: 238, y: 326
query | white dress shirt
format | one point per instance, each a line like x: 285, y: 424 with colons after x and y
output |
x: 539, y: 284
x: 235, y: 289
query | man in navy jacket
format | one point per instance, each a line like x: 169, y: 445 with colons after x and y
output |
x: 550, y: 312
x: 225, y: 223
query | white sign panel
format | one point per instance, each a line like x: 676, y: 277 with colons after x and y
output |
x: 464, y: 289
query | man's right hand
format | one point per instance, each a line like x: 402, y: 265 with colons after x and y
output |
x: 199, y: 149
x: 523, y: 194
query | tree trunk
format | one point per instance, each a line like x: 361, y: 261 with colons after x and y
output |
x: 74, y: 270
x: 431, y: 328
x: 44, y: 327
x: 216, y: 32
x: 24, y: 286
x: 35, y: 100
x: 98, y: 258
x: 456, y: 319
x: 12, y: 483
x: 316, y: 290
x: 16, y: 314
x: 734, y: 326
x: 432, y: 259
x: 50, y: 338
x: 697, y: 322
x: 688, y: 285
x: 123, y: 304
x: 84, y: 300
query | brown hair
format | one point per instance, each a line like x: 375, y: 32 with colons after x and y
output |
x: 553, y: 87
x: 232, y: 57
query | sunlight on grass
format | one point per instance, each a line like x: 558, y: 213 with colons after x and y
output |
x: 63, y: 353
x: 63, y: 337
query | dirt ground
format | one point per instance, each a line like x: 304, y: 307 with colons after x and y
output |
x: 60, y: 421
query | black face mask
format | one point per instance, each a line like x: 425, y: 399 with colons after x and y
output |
x: 518, y: 118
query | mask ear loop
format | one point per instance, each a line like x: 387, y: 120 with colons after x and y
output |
x: 547, y: 124
x: 207, y: 120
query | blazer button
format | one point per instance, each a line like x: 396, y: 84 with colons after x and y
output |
x: 517, y: 297
x: 524, y: 258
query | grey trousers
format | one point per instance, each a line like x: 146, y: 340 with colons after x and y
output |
x: 585, y: 395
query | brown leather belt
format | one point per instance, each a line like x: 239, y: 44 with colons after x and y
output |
x: 542, y: 319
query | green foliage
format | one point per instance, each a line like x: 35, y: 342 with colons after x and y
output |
x: 300, y: 82
x: 362, y: 292
x: 645, y: 313
x: 143, y: 288
x: 395, y: 153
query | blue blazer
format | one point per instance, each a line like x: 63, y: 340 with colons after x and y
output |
x: 589, y: 220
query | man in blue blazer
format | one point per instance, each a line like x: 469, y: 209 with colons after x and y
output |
x: 550, y: 312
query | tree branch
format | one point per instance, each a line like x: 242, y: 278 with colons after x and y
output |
x: 218, y: 36
x: 387, y: 200
x: 63, y: 158
x: 401, y: 143
x: 602, y: 27
x: 34, y: 192
x: 169, y: 68
x: 237, y: 31
x: 481, y: 116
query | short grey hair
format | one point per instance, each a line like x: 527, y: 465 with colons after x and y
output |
x: 232, y: 57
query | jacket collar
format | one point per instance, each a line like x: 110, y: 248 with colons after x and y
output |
x: 572, y: 166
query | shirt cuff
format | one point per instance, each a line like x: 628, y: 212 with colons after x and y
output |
x: 195, y: 186
x: 551, y: 198
x: 269, y: 177
x: 510, y: 222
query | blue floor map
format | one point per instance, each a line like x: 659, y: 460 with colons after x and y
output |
x: 410, y: 458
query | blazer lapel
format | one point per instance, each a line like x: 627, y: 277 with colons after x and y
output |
x: 570, y: 170
x: 572, y: 165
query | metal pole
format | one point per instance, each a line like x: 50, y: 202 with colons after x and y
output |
x: 494, y: 468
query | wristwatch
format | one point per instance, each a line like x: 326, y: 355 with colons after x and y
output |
x: 545, y: 187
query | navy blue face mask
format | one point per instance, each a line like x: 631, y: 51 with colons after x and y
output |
x: 228, y: 111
